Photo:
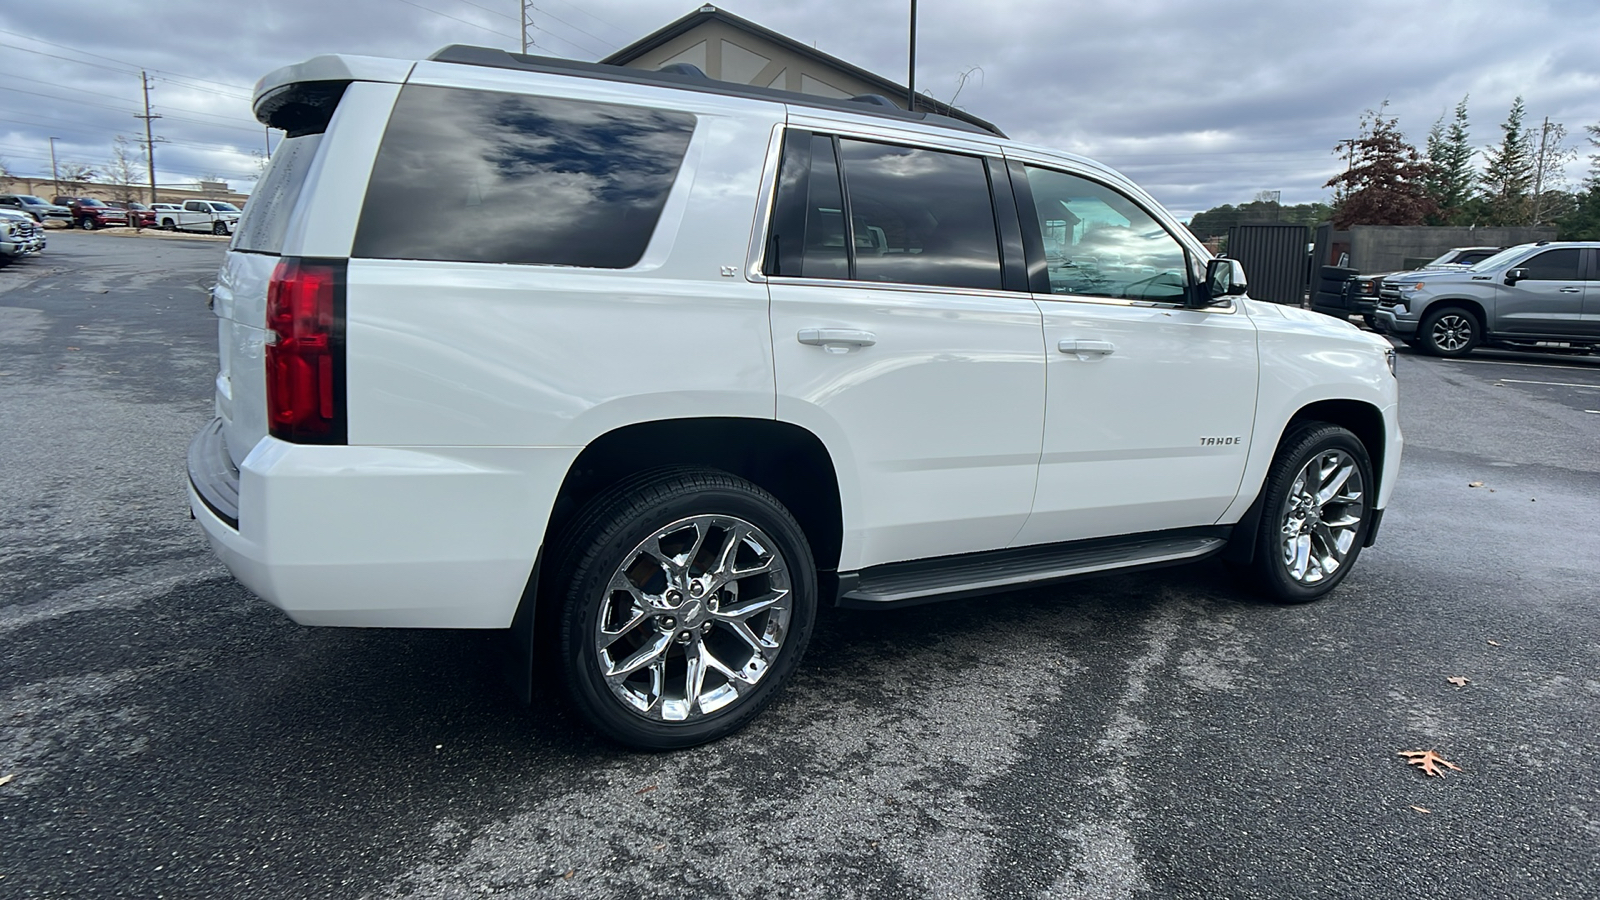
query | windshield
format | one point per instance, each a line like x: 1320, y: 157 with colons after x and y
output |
x: 89, y: 201
x: 1501, y: 258
x: 1449, y: 258
x: 224, y: 207
x: 31, y: 200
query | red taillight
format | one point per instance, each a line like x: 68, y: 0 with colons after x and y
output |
x: 305, y: 352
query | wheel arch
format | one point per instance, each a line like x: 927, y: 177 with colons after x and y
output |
x: 784, y: 459
x: 1470, y: 304
x: 1359, y: 417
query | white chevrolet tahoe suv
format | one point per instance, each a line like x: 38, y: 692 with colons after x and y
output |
x: 643, y: 367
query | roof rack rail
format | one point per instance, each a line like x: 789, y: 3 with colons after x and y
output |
x: 689, y: 77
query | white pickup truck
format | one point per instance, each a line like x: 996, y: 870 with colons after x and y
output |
x: 209, y: 216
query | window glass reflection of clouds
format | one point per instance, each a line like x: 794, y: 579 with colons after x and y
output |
x: 921, y: 216
x: 480, y: 176
x: 1099, y: 243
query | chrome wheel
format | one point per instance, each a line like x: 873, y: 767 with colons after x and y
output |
x: 693, y: 618
x: 1322, y: 519
x: 1452, y: 332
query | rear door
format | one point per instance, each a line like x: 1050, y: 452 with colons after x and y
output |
x: 904, y: 337
x: 1589, y: 322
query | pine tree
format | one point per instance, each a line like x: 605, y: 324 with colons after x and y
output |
x: 1452, y: 179
x: 1387, y: 182
x: 1508, y: 172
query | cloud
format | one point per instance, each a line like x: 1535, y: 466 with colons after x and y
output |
x: 1202, y: 103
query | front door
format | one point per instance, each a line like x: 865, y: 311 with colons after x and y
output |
x: 1548, y: 300
x: 1150, y: 403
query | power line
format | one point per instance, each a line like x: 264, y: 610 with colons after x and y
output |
x: 68, y: 87
x: 459, y: 19
x: 121, y: 109
x: 129, y: 70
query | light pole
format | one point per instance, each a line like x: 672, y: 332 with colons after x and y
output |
x: 911, y: 67
x: 55, y: 174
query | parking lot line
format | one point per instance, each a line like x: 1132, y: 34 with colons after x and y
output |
x: 1550, y: 383
x: 1529, y: 365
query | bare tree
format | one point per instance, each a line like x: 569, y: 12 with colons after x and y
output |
x: 124, y: 173
x: 5, y: 168
x: 1550, y: 159
x: 73, y: 177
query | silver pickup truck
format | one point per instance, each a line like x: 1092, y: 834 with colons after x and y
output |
x: 1533, y: 296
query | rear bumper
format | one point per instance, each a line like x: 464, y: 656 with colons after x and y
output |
x: 379, y: 536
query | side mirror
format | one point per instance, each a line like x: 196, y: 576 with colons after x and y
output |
x: 1515, y: 275
x: 1224, y: 278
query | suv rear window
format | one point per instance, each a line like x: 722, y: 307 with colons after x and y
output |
x: 266, y: 214
x: 483, y: 176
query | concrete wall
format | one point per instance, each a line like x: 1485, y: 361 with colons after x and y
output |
x: 1385, y: 248
x: 731, y: 54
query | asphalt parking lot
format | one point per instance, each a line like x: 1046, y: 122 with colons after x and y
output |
x: 165, y: 734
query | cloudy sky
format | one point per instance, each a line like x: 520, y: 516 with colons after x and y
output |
x: 1203, y: 103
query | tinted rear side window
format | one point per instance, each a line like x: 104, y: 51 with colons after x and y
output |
x: 481, y: 176
x: 920, y: 216
x: 266, y: 214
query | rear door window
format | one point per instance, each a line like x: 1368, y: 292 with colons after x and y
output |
x: 485, y: 176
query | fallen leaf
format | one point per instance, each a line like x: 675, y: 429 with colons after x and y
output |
x: 646, y: 789
x: 1458, y: 680
x: 1494, y: 643
x: 1421, y: 809
x: 1474, y: 484
x: 570, y: 873
x: 1428, y: 761
x: 6, y: 779
x: 660, y: 847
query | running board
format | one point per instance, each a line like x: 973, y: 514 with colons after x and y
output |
x: 950, y: 577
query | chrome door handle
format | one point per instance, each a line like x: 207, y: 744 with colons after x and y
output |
x: 836, y: 340
x: 1087, y: 348
x: 1571, y: 290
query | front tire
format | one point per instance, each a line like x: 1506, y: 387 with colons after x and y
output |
x: 87, y: 224
x: 1451, y: 332
x: 1316, y: 512
x: 688, y: 599
x: 219, y: 228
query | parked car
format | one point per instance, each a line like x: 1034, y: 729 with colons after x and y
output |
x: 138, y: 213
x: 20, y: 236
x: 207, y: 216
x: 1358, y: 296
x: 90, y: 213
x: 36, y: 207
x: 1532, y: 296
x: 676, y: 397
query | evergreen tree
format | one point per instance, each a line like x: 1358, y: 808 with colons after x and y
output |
x: 1452, y: 178
x: 1387, y: 181
x: 1508, y: 172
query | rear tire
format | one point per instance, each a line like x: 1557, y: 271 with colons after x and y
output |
x: 169, y: 225
x: 688, y: 597
x: 1316, y: 512
x: 1451, y: 332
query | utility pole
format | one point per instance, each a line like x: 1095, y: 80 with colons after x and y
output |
x: 149, y: 138
x: 911, y: 67
x: 527, y: 26
x: 55, y: 174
